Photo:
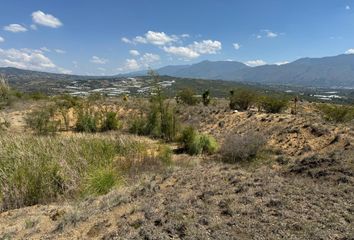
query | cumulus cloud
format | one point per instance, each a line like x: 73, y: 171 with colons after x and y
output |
x: 130, y: 65
x: 45, y: 49
x: 134, y: 52
x: 15, y: 28
x: 347, y: 7
x: 47, y: 20
x: 185, y: 52
x: 143, y: 62
x: 195, y: 49
x: 2, y: 39
x: 350, y: 51
x: 236, y: 46
x: 266, y: 33
x: 61, y: 51
x: 149, y: 58
x: 156, y: 38
x: 254, y: 63
x: 98, y: 60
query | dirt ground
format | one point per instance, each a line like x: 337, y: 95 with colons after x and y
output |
x: 302, y: 187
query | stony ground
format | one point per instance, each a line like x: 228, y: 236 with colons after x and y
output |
x: 300, y: 187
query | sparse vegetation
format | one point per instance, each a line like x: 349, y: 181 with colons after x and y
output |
x: 42, y: 121
x: 239, y: 148
x: 336, y: 113
x: 206, y: 98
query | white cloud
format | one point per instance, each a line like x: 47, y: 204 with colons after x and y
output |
x: 195, y: 50
x: 130, y: 65
x: 2, y: 39
x: 76, y: 64
x: 101, y: 69
x: 159, y: 38
x: 206, y: 47
x: 236, y: 46
x: 60, y: 51
x: 125, y: 40
x: 134, y: 52
x: 149, y: 58
x: 185, y: 35
x: 47, y: 20
x: 156, y: 38
x: 64, y: 71
x: 270, y: 34
x: 33, y: 26
x: 30, y: 59
x: 98, y: 60
x: 184, y: 52
x: 139, y: 39
x: 347, y: 7
x: 258, y: 36
x: 281, y: 63
x: 15, y: 28
x: 254, y: 63
x: 350, y: 51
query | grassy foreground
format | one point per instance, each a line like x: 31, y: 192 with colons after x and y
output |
x: 42, y: 169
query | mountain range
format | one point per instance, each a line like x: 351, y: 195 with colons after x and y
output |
x: 335, y: 71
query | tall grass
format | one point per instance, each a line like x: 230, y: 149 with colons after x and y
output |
x: 40, y: 169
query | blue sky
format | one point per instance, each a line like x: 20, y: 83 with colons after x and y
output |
x: 109, y: 36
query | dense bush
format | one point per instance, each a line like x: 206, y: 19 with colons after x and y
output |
x: 87, y: 121
x: 193, y: 143
x: 242, y: 99
x: 42, y: 121
x: 187, y: 96
x: 237, y: 148
x: 336, y: 113
x: 137, y: 125
x: 110, y: 122
x: 271, y: 104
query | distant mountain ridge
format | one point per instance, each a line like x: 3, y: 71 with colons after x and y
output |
x: 336, y: 71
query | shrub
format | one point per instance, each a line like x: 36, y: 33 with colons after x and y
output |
x: 138, y: 125
x: 110, y: 122
x: 206, y: 98
x: 272, y: 104
x: 37, y: 96
x: 87, y: 121
x: 209, y: 144
x: 187, y: 96
x: 242, y: 99
x: 195, y: 143
x: 101, y: 181
x: 42, y: 121
x: 237, y: 148
x: 336, y: 113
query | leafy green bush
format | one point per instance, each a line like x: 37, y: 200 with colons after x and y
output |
x: 187, y: 96
x: 238, y: 148
x: 272, y: 104
x: 42, y: 121
x: 195, y: 143
x: 110, y: 122
x: 336, y: 113
x: 242, y: 99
